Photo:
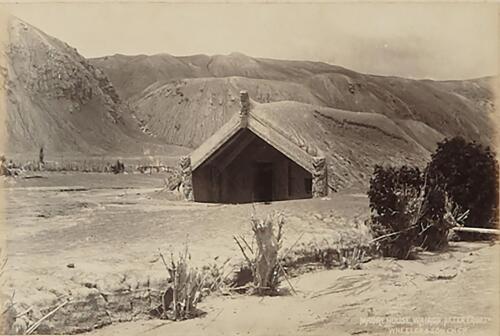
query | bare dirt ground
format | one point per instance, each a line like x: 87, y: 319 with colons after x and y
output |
x: 109, y: 229
x: 91, y: 236
x: 105, y: 218
x: 451, y: 293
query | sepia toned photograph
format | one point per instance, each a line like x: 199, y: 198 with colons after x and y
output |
x: 249, y: 168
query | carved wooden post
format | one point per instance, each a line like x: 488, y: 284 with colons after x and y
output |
x: 244, y: 108
x: 319, y: 182
x: 187, y: 178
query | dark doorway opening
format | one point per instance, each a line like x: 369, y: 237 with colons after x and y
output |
x: 308, y: 182
x: 263, y: 183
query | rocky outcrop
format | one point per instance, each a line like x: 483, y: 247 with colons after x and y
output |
x: 56, y: 71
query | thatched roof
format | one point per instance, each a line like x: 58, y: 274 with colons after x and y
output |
x: 256, y: 123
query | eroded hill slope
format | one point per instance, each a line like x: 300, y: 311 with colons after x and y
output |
x: 352, y: 142
x: 184, y: 93
x: 56, y: 99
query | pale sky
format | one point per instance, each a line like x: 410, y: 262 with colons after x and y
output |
x: 438, y: 41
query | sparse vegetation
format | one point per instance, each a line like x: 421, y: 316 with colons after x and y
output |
x: 118, y: 167
x: 8, y: 313
x: 93, y: 165
x: 263, y: 260
x: 187, y: 286
x: 347, y: 250
x: 4, y: 171
x: 413, y: 208
x: 396, y: 199
x: 408, y: 212
x: 184, y: 292
x: 343, y: 253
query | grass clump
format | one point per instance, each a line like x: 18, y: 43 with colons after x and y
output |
x: 263, y: 265
x: 347, y: 250
x: 187, y: 286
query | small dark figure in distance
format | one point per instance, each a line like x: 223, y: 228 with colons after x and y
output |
x: 118, y: 168
x: 41, y: 156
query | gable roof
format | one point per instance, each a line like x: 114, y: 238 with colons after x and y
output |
x: 258, y: 126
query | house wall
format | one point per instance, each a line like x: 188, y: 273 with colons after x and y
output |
x: 204, y: 185
x: 297, y: 182
x: 235, y: 182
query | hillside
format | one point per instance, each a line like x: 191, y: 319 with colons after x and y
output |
x: 58, y: 100
x: 188, y: 111
x: 352, y: 142
x: 183, y: 93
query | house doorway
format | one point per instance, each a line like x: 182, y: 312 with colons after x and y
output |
x: 263, y: 182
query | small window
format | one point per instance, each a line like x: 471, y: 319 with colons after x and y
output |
x: 308, y: 185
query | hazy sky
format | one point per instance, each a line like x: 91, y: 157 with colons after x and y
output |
x: 440, y: 41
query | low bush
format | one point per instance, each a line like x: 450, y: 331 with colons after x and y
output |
x: 407, y: 211
x: 412, y: 208
x: 396, y: 198
x: 118, y: 167
x: 186, y: 286
x: 330, y: 254
x: 4, y: 171
x: 184, y: 293
x: 262, y: 259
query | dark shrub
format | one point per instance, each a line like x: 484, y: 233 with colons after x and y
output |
x: 436, y: 218
x: 118, y: 168
x: 410, y: 208
x: 468, y: 172
x: 395, y: 196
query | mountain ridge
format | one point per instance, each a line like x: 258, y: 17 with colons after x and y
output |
x: 447, y: 107
x: 143, y: 105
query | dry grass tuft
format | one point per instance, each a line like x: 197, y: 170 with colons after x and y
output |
x: 187, y: 286
x: 184, y: 292
x: 263, y: 263
x: 346, y: 250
